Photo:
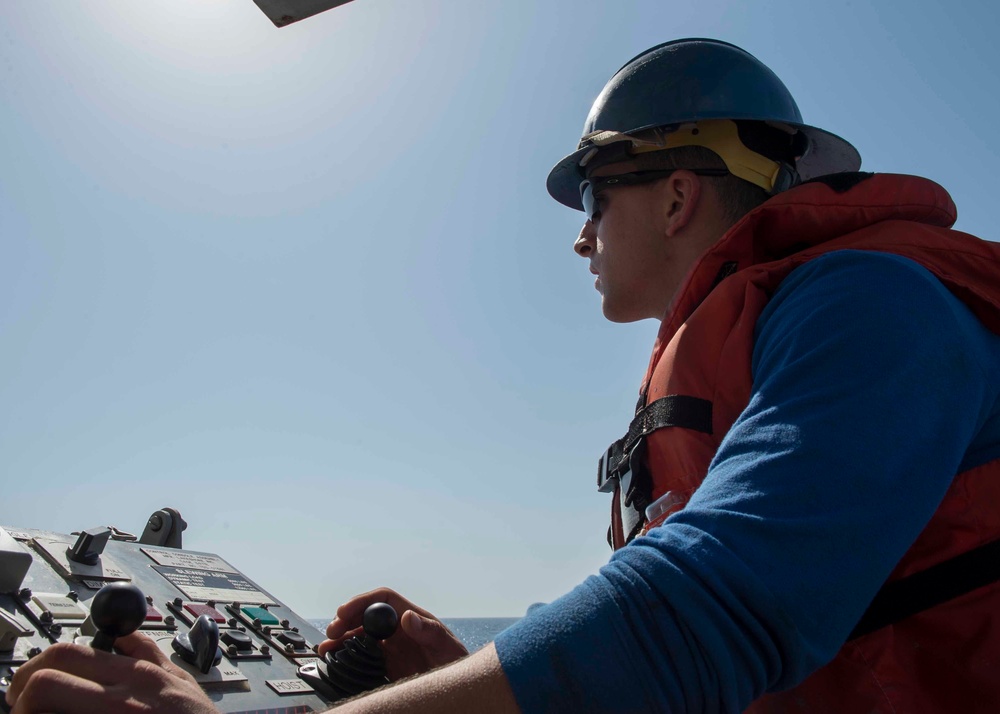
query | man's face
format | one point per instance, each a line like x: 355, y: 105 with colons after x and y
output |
x: 638, y: 266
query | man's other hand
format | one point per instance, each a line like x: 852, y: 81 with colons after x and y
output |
x: 421, y: 642
x: 71, y: 679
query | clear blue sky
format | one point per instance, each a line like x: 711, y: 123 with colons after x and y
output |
x: 306, y: 285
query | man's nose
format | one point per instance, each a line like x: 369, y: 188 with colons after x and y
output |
x: 584, y: 244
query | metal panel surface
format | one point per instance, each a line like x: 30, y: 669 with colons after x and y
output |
x: 263, y: 679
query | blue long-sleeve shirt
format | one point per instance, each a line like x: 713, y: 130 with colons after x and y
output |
x: 872, y: 387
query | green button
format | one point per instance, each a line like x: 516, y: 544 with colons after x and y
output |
x: 254, y: 613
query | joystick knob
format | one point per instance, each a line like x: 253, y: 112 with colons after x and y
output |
x: 359, y: 666
x: 116, y: 610
x: 380, y: 621
x: 200, y: 646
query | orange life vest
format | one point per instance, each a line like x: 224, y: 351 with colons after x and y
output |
x: 942, y: 659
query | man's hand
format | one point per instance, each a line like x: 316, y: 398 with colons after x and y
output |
x: 421, y: 643
x: 71, y: 679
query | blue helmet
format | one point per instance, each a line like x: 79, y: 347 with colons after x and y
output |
x: 686, y: 86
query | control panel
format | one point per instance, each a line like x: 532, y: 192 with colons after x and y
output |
x: 246, y: 648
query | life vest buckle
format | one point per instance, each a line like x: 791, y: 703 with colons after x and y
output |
x: 616, y: 469
x: 607, y: 476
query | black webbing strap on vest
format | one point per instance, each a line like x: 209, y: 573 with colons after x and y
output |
x: 936, y: 585
x: 622, y: 467
x: 672, y: 410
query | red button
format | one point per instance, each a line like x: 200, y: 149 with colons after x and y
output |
x: 199, y: 610
x: 153, y: 615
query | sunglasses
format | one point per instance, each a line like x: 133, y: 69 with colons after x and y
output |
x: 590, y: 188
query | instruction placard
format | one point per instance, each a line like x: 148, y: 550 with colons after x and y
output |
x: 205, y: 585
x: 186, y: 559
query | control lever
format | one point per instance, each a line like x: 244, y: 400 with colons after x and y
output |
x: 116, y: 610
x: 89, y: 546
x: 200, y: 646
x: 359, y: 666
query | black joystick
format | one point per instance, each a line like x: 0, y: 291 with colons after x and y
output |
x: 200, y: 646
x: 116, y: 610
x: 380, y: 621
x: 359, y: 666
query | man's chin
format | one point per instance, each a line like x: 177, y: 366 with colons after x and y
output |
x: 613, y: 313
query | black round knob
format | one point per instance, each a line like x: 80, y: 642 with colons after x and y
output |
x: 118, y: 609
x: 380, y: 621
x: 292, y: 638
x: 240, y: 640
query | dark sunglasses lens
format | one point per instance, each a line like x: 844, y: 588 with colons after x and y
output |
x: 590, y: 206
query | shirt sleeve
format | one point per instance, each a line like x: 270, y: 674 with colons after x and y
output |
x: 869, y: 387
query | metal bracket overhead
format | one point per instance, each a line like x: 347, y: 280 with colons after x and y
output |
x: 164, y: 528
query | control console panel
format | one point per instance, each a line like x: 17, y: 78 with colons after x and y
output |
x: 244, y: 646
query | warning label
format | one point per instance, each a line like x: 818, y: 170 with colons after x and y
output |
x: 205, y: 585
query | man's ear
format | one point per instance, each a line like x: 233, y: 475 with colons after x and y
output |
x: 683, y: 192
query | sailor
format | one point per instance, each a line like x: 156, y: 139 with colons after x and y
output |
x: 806, y: 505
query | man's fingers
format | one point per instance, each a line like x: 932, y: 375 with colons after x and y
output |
x: 419, y: 629
x: 51, y: 690
x: 100, y: 668
x: 333, y: 643
x: 432, y: 635
x: 138, y: 646
x: 351, y: 613
x: 342, y: 629
x: 80, y: 661
x: 94, y: 664
x: 71, y: 678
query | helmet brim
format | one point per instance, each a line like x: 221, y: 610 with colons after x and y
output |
x: 827, y: 153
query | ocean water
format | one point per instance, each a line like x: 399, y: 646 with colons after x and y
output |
x: 474, y: 632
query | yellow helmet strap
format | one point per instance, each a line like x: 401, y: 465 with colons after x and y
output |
x: 720, y: 136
